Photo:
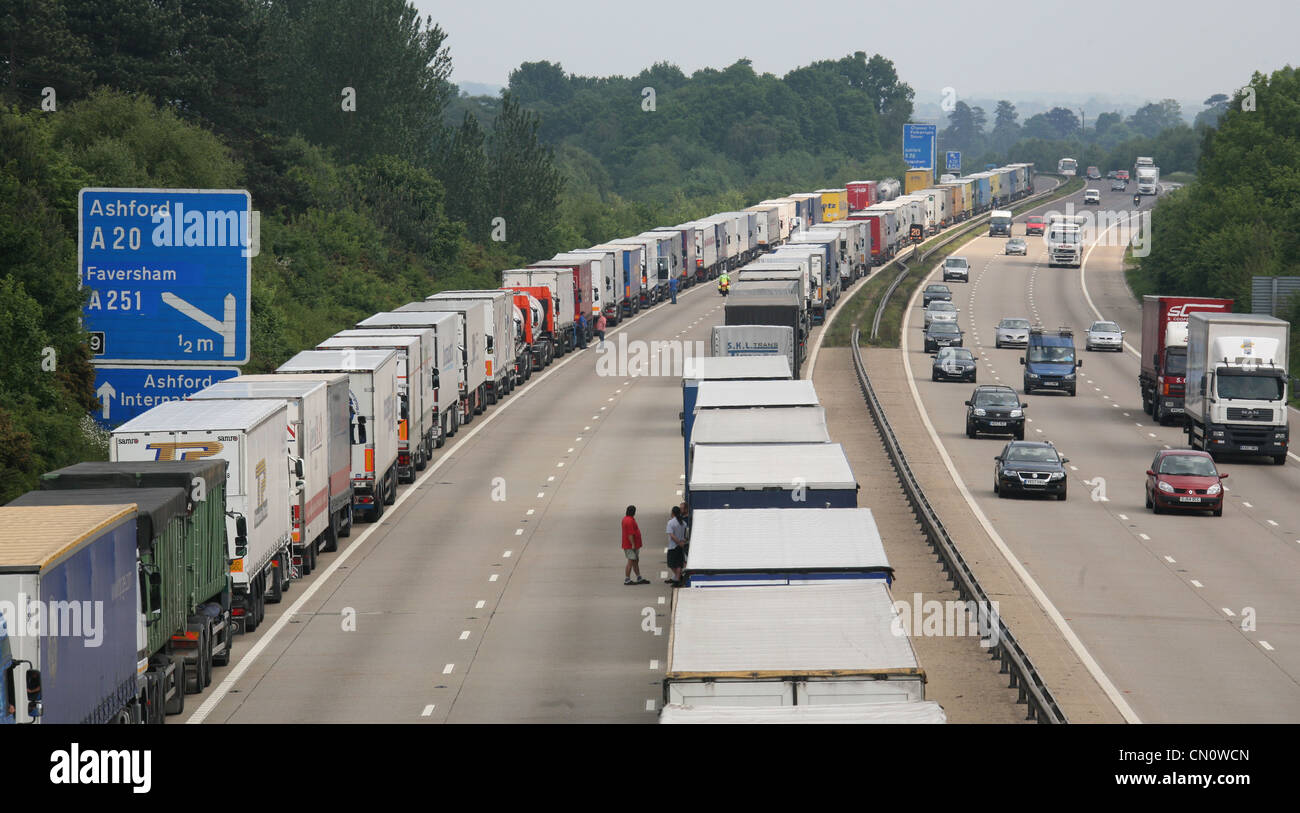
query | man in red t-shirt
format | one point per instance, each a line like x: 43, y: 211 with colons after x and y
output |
x: 632, y: 548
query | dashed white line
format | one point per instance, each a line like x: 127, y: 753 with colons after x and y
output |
x: 559, y: 465
x: 570, y: 450
x: 480, y: 604
x: 428, y: 710
x: 464, y: 636
x: 1271, y: 522
x: 654, y: 665
x: 446, y: 670
x: 541, y: 494
x: 1266, y: 645
x: 493, y: 577
x: 1248, y: 505
x: 1144, y: 537
x: 1124, y: 517
x: 549, y: 479
x: 530, y: 512
x: 1230, y: 613
x: 661, y: 599
x: 649, y: 705
x: 519, y: 531
x: 1195, y: 583
x: 1170, y: 560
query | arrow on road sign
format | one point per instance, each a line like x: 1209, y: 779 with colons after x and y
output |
x: 225, y: 329
x: 106, y: 394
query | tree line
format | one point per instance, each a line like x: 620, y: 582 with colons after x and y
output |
x: 367, y: 199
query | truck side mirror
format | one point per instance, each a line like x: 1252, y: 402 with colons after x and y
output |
x: 406, y: 411
x: 1078, y: 363
x: 241, y: 527
x: 298, y: 467
x: 35, y: 708
x: 361, y: 429
x: 1022, y: 360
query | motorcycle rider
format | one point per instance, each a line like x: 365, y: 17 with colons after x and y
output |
x: 724, y: 283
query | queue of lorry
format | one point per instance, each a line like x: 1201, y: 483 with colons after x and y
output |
x: 213, y: 507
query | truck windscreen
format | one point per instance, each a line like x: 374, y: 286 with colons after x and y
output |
x: 1249, y: 387
x: 1176, y: 362
x: 1051, y: 355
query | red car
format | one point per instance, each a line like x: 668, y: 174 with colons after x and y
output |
x: 1184, y: 480
x: 1122, y: 175
x: 1034, y: 224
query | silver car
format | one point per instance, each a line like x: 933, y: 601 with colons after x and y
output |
x: 940, y: 311
x: 1011, y: 332
x: 1016, y: 245
x: 1105, y: 336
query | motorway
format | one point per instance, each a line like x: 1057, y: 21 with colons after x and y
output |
x: 1191, y: 618
x: 493, y: 591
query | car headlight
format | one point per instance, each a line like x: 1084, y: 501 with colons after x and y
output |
x: 1056, y: 475
x: 1165, y: 487
x: 1214, y: 489
x: 1069, y: 376
x: 980, y: 412
x: 1031, y: 375
x: 1017, y: 413
x: 1008, y: 472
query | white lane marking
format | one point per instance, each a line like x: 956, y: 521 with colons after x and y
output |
x: 570, y: 450
x: 1144, y: 537
x: 478, y: 605
x: 428, y: 710
x: 1170, y: 560
x: 519, y: 531
x: 1115, y: 405
x: 1266, y: 645
x: 446, y: 670
x: 493, y: 577
x: 1153, y: 434
x: 1230, y: 613
x: 464, y: 635
x: 549, y: 479
x: 586, y: 428
x: 559, y: 465
x: 654, y: 665
x: 1072, y: 639
x: 530, y: 512
x: 1248, y: 505
x: 507, y: 554
x: 1195, y: 583
x: 541, y: 494
x: 661, y: 599
x: 1124, y: 517
x: 649, y: 705
x: 1126, y: 415
x: 1271, y: 522
x: 1074, y: 468
x: 578, y: 439
x: 663, y: 574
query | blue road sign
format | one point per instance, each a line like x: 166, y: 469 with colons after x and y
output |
x: 125, y: 392
x: 167, y: 273
x: 918, y: 145
x: 952, y: 161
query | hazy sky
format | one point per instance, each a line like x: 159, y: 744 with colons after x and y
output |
x: 1191, y: 49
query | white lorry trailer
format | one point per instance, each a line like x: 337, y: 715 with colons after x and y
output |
x: 306, y: 439
x: 448, y: 367
x: 473, y: 348
x: 503, y: 350
x: 1237, y: 384
x: 414, y: 391
x: 250, y: 436
x: 372, y: 382
x: 789, y: 646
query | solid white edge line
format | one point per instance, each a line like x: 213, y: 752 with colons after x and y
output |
x: 1083, y: 283
x: 1066, y: 631
x: 223, y: 688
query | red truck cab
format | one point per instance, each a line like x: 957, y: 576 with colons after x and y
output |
x: 1163, y: 361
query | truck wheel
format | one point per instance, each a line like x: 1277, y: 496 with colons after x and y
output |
x: 177, y: 704
x: 1157, y: 414
x: 1279, y: 460
x: 205, y: 653
x: 311, y: 552
x: 305, y: 556
x: 331, y: 538
x: 261, y: 601
x: 277, y: 585
x: 345, y: 528
x: 391, y: 496
x: 251, y: 605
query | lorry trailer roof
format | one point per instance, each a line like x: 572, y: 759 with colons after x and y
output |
x: 34, y: 537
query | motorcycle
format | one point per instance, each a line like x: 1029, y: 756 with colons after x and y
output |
x: 722, y: 287
x: 1137, y: 200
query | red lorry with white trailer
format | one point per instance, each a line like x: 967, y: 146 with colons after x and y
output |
x: 1164, y: 350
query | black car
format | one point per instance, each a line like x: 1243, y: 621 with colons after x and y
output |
x: 995, y: 410
x: 942, y: 334
x: 953, y: 363
x: 1029, y: 467
x: 935, y: 291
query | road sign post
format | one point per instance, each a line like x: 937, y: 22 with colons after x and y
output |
x: 168, y: 273
x: 919, y: 145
